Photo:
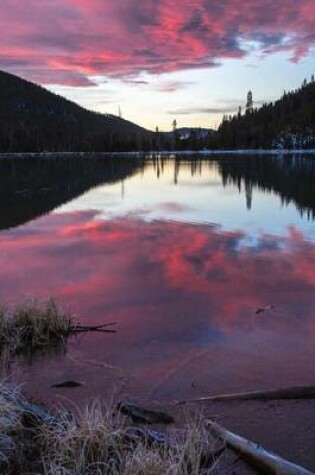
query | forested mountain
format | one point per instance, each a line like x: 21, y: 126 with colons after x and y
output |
x: 287, y: 123
x: 33, y: 119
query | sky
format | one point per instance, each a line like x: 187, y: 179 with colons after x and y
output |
x: 160, y: 60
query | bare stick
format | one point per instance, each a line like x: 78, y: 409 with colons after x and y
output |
x: 85, y: 330
x: 298, y: 392
x: 92, y: 327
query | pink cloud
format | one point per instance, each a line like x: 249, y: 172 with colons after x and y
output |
x: 66, y: 41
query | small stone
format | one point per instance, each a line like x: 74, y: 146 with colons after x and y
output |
x: 67, y: 384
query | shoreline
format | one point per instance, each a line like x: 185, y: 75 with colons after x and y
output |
x: 281, y: 429
x: 100, y: 439
x: 155, y: 154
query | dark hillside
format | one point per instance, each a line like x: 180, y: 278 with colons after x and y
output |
x: 287, y: 123
x: 33, y: 119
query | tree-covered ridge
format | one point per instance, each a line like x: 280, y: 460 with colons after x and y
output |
x: 33, y: 119
x: 287, y: 123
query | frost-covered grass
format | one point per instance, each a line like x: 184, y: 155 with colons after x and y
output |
x: 34, y: 325
x: 95, y: 441
x: 11, y: 428
x: 98, y: 442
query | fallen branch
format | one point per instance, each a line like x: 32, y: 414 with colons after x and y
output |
x: 266, y: 462
x: 93, y: 327
x: 85, y: 330
x: 298, y: 392
x: 77, y: 328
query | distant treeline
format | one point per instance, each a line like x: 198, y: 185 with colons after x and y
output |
x: 287, y: 123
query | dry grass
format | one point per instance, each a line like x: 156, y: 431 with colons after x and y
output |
x: 34, y: 325
x: 4, y: 325
x: 94, y: 442
x: 10, y: 425
x: 97, y: 442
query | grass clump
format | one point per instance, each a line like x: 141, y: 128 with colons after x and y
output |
x: 99, y: 442
x: 4, y: 326
x: 10, y: 428
x: 34, y: 325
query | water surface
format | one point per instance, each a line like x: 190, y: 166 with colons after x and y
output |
x: 183, y: 254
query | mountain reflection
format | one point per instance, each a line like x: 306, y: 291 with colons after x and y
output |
x: 31, y: 187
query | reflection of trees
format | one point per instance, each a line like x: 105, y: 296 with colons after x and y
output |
x: 291, y: 177
x: 30, y: 187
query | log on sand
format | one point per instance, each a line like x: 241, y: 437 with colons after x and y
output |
x: 297, y: 392
x: 264, y: 461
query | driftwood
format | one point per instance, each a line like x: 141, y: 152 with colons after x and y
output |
x: 143, y: 416
x: 264, y: 461
x: 298, y: 392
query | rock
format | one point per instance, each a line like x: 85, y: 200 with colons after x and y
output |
x: 144, y: 416
x: 264, y: 309
x: 67, y: 384
x: 132, y: 436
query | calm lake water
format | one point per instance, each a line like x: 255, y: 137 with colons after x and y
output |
x: 207, y: 266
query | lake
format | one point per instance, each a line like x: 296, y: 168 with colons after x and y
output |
x: 206, y: 265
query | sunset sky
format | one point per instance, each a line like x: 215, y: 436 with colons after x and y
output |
x: 192, y: 60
